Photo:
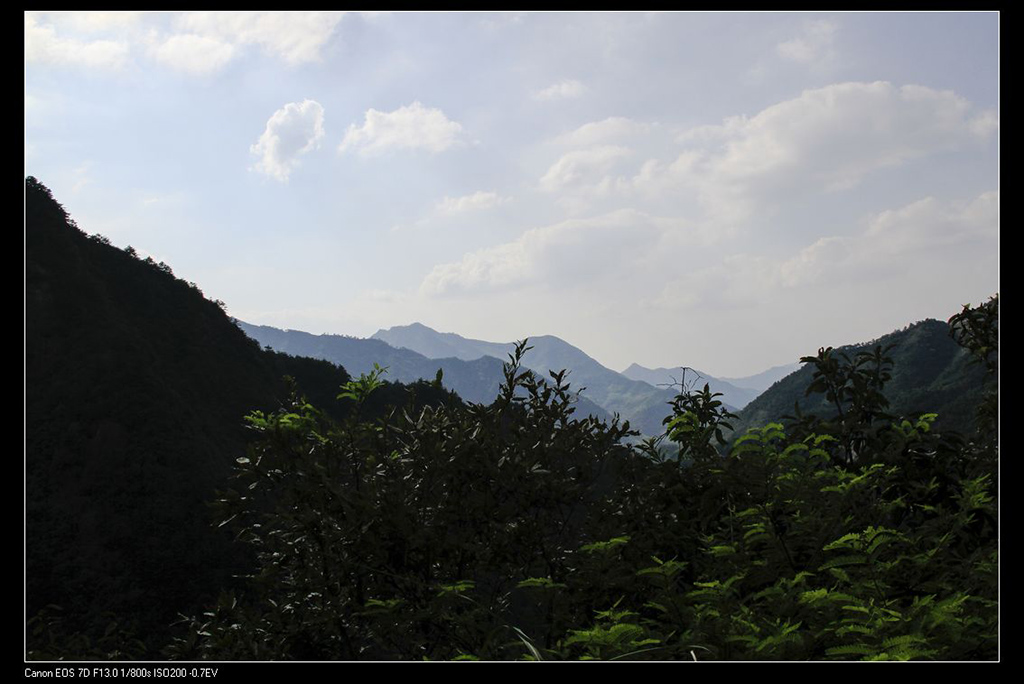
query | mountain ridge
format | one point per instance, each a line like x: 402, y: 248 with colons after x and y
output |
x: 765, y: 379
x: 644, y: 405
x: 931, y: 373
x: 733, y: 395
x: 475, y: 380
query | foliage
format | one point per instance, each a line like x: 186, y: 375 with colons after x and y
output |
x: 696, y: 418
x: 928, y: 373
x: 977, y: 330
x: 413, y: 536
x: 514, y: 531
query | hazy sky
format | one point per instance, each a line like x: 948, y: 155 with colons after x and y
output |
x: 727, y: 191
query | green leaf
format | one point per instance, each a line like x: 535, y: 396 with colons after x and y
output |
x: 813, y: 596
x: 540, y: 583
x: 605, y: 546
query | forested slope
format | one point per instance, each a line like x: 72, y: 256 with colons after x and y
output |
x: 931, y: 373
x: 135, y: 390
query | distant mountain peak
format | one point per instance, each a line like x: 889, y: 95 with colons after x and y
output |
x: 641, y: 403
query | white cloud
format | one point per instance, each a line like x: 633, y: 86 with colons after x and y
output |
x: 838, y: 134
x: 572, y: 253
x: 586, y: 166
x: 98, y: 21
x: 477, y: 201
x: 410, y: 127
x: 828, y: 139
x: 824, y: 256
x: 812, y: 46
x: 292, y: 131
x: 494, y: 267
x: 926, y: 236
x: 296, y: 37
x: 930, y: 224
x: 563, y: 90
x: 44, y: 46
x: 925, y: 245
x: 198, y: 42
x: 985, y: 124
x: 193, y: 54
x: 713, y: 134
x: 595, y: 132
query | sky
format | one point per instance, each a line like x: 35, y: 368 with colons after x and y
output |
x: 726, y: 191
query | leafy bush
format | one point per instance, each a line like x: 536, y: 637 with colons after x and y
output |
x: 514, y: 531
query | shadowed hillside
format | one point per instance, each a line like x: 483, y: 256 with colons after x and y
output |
x: 136, y: 386
x: 931, y: 373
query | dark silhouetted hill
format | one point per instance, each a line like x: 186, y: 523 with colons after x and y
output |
x: 135, y: 390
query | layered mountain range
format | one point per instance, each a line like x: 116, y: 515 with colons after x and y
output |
x: 642, y: 404
x: 549, y: 351
x: 931, y: 373
x: 473, y: 368
x: 736, y: 392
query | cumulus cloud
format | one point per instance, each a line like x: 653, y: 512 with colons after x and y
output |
x: 563, y: 90
x: 928, y: 235
x: 825, y: 140
x: 191, y: 42
x: 494, y: 267
x: 193, y: 54
x: 477, y: 201
x: 586, y: 166
x: 572, y: 253
x: 822, y: 257
x: 43, y: 45
x: 410, y: 127
x: 295, y: 37
x: 912, y: 248
x: 985, y: 124
x: 838, y: 134
x: 596, y: 132
x: 291, y: 132
x: 828, y: 139
x: 934, y: 224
